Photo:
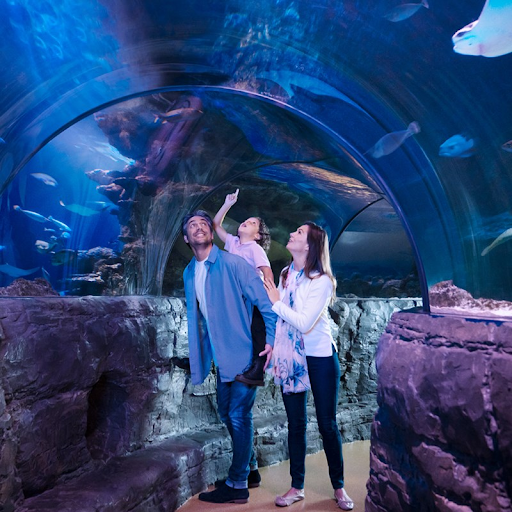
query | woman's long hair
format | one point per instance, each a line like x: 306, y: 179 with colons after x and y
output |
x: 318, y: 260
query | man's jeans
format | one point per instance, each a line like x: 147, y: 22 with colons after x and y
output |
x: 235, y: 401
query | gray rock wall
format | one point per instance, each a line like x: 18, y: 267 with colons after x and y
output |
x: 442, y: 437
x: 88, y: 382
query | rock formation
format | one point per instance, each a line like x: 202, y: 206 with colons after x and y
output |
x: 97, y: 409
x: 442, y: 437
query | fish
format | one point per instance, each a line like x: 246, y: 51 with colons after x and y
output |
x: 101, y: 206
x: 179, y: 115
x: 45, y: 178
x: 5, y: 268
x: 404, y: 11
x: 78, y: 208
x: 105, y: 149
x: 59, y: 224
x: 507, y: 146
x: 31, y: 215
x: 2, y: 141
x: 458, y: 146
x: 504, y: 237
x: 392, y: 141
x: 64, y: 256
x: 488, y: 36
x: 43, y: 247
x: 289, y: 79
x: 65, y: 235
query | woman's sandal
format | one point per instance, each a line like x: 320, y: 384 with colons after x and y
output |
x: 343, y: 500
x: 286, y: 501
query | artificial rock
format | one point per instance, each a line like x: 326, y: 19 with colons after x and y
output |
x: 442, y: 438
x: 97, y: 411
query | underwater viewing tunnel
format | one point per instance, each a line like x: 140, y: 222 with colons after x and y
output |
x: 386, y: 122
x: 139, y: 112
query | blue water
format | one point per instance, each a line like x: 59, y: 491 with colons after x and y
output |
x: 294, y: 98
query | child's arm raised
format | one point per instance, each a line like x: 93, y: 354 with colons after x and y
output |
x: 219, y: 217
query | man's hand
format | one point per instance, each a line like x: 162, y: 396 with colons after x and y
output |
x: 267, y: 352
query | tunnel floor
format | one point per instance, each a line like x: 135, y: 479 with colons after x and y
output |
x: 319, y: 495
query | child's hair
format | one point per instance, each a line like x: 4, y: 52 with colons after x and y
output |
x: 264, y: 233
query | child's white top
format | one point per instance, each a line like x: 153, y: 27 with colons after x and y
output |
x: 251, y: 252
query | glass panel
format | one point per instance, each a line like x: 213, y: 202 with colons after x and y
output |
x: 373, y: 256
x: 311, y: 100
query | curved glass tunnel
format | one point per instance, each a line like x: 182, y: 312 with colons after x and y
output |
x: 140, y: 111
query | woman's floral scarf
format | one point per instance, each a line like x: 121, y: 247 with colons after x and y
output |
x: 289, y: 366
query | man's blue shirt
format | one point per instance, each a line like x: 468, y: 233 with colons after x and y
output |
x: 232, y: 287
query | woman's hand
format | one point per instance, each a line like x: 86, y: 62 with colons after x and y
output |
x: 272, y: 291
x: 267, y: 352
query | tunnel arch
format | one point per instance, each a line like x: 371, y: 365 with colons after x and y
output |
x: 352, y: 156
x: 338, y: 47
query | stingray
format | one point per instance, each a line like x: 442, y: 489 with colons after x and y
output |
x: 15, y: 271
x: 80, y: 209
x: 490, y: 35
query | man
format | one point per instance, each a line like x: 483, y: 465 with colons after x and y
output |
x: 221, y: 289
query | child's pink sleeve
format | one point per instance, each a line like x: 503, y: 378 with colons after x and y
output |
x: 260, y: 257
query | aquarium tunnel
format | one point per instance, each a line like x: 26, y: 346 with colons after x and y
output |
x: 387, y: 122
x: 119, y: 117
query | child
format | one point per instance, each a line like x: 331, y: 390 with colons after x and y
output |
x: 252, y: 242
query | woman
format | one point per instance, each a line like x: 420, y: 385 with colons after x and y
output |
x: 305, y: 356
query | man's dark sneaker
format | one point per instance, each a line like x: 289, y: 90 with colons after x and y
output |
x: 254, y: 375
x: 253, y: 480
x: 225, y: 494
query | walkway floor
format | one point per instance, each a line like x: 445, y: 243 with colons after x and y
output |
x: 319, y: 494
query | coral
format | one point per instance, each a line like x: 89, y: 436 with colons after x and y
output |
x: 21, y: 287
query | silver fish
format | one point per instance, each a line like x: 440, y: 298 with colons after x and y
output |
x: 404, y: 11
x: 392, y: 141
x: 113, y: 153
x: 59, y: 224
x: 45, y: 178
x: 31, y: 215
